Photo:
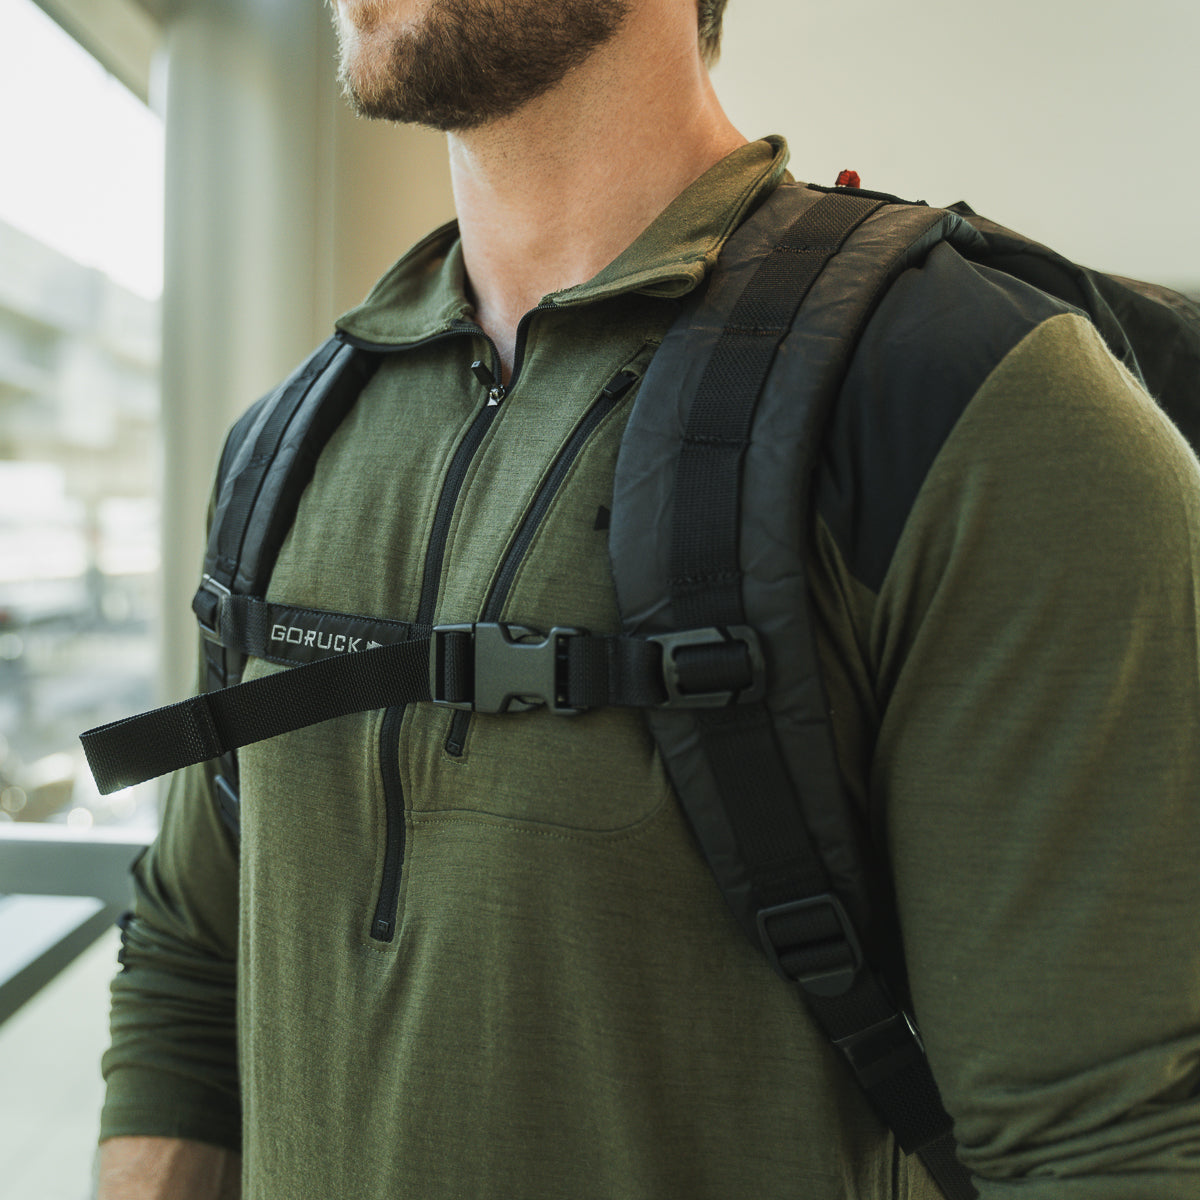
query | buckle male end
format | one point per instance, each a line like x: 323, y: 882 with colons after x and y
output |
x: 506, y: 671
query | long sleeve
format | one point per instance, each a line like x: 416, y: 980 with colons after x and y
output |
x: 1036, y: 647
x: 171, y: 1069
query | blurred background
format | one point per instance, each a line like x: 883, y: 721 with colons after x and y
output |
x: 185, y: 206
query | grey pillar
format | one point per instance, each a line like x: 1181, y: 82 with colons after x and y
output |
x: 281, y: 208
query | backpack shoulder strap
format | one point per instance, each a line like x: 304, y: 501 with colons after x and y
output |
x: 722, y: 444
x: 267, y: 461
x: 269, y: 458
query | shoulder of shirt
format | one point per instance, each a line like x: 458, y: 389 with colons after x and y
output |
x: 942, y: 330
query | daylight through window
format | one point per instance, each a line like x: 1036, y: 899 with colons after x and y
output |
x: 80, y: 277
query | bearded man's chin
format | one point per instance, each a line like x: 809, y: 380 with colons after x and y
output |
x: 462, y: 64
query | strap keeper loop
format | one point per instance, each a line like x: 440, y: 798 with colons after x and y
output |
x: 883, y: 1050
x: 744, y: 679
x: 207, y: 604
x: 823, y: 957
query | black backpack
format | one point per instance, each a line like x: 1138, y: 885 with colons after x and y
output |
x: 717, y: 644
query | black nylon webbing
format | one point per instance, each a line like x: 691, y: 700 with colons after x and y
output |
x: 244, y: 624
x: 597, y: 671
x: 772, y: 836
x: 704, y: 562
x: 138, y: 748
x: 942, y: 1162
x: 614, y: 670
x: 780, y: 859
x: 892, y: 1071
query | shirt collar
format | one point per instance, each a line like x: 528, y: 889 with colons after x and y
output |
x: 424, y: 294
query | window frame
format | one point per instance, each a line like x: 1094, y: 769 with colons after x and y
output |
x: 122, y: 35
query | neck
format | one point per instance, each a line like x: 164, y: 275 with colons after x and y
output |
x: 550, y: 195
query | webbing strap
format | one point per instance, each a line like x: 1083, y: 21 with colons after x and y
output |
x: 483, y: 667
x: 942, y: 1162
x: 888, y: 1060
x: 613, y: 670
x: 598, y: 669
x: 705, y: 571
x: 289, y: 633
x: 771, y: 835
x: 803, y: 926
x: 206, y: 726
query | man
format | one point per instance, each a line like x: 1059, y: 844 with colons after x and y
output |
x: 481, y: 956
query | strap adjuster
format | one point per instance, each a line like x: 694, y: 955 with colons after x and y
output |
x: 492, y: 667
x: 813, y: 943
x: 888, y: 1060
x: 883, y: 1051
x: 206, y: 604
x: 694, y: 660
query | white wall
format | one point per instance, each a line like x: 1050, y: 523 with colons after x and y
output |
x: 1075, y: 121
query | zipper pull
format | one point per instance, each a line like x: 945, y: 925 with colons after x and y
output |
x: 482, y: 372
x: 617, y: 387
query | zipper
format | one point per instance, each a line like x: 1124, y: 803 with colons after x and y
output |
x: 519, y: 344
x: 383, y: 924
x: 456, y: 476
x: 493, y: 606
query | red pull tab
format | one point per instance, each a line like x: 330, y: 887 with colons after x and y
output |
x: 848, y: 179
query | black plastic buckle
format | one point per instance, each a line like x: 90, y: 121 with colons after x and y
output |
x: 834, y: 977
x: 679, y: 697
x: 211, y: 608
x: 883, y: 1051
x: 507, y: 674
x: 229, y: 805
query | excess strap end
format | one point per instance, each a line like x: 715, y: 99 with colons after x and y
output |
x: 136, y: 749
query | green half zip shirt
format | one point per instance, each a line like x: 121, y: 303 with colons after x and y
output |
x: 480, y: 956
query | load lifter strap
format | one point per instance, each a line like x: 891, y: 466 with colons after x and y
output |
x: 802, y: 925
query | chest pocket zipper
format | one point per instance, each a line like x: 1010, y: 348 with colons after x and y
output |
x: 611, y: 395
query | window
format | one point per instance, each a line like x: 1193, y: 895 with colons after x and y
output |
x: 80, y: 277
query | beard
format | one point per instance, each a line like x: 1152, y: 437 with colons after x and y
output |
x: 465, y: 63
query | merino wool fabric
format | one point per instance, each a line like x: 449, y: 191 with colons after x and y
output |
x: 1004, y: 580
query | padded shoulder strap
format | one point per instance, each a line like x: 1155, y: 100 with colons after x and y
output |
x: 721, y: 448
x: 268, y: 460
